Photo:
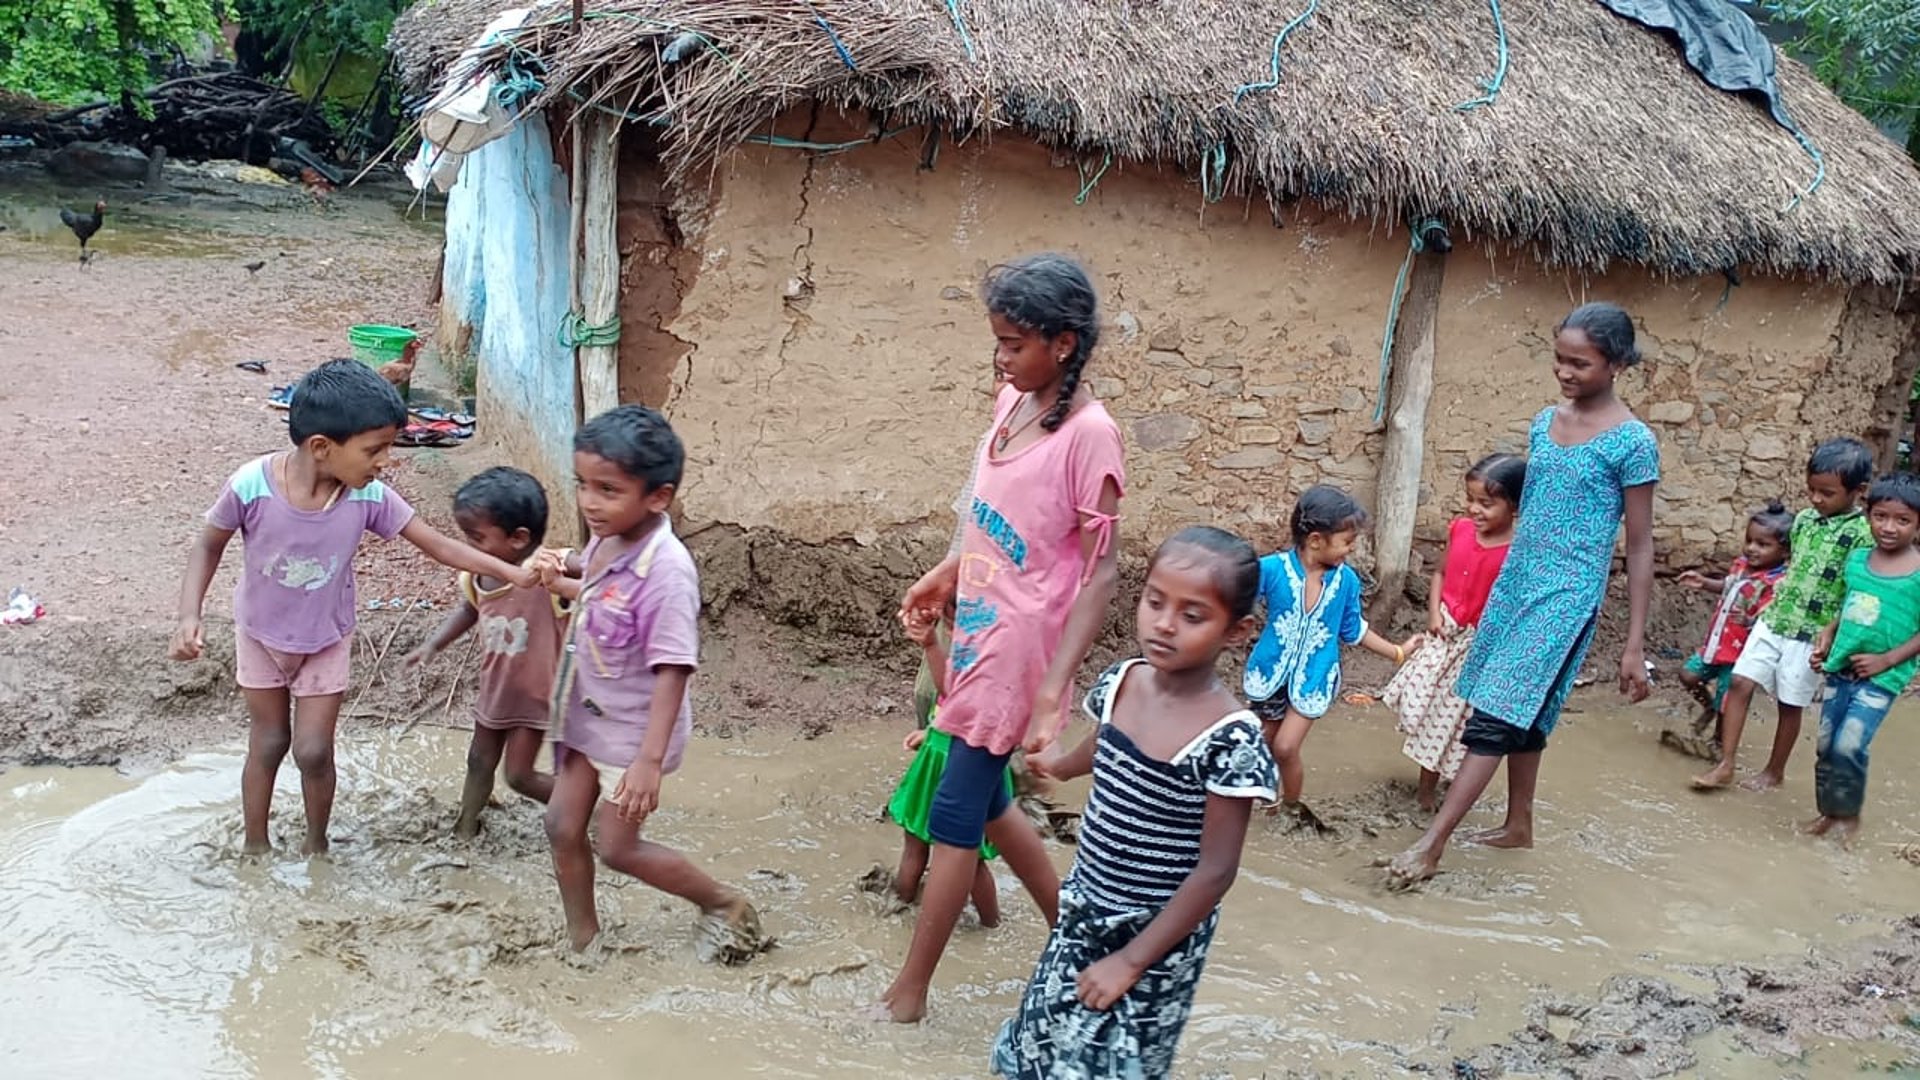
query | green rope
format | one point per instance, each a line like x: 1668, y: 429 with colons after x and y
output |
x: 1492, y: 86
x: 1819, y: 170
x: 1213, y: 161
x: 520, y: 79
x: 953, y: 9
x: 1415, y: 245
x: 576, y: 332
x: 1086, y: 185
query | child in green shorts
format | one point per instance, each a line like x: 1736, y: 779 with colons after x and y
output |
x: 914, y: 797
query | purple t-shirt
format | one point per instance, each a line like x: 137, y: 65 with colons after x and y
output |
x: 640, y: 614
x: 296, y: 583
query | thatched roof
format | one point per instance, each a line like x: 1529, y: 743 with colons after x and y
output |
x: 1602, y: 146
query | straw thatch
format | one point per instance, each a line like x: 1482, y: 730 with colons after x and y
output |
x: 1602, y: 145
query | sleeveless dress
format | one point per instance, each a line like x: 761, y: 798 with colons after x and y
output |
x: 1540, y: 618
x: 1139, y: 841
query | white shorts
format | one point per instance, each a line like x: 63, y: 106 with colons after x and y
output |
x: 1782, y: 666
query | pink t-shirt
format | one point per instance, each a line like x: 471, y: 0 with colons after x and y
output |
x: 520, y: 632
x: 296, y: 583
x: 1021, y: 568
x: 640, y: 614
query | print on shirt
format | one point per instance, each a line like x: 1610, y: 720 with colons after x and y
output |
x: 965, y: 654
x: 1863, y: 609
x: 1302, y: 633
x: 297, y: 572
x: 1001, y: 532
x: 975, y: 614
x: 499, y: 634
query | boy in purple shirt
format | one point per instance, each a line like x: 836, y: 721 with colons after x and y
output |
x: 620, y: 710
x: 302, y: 512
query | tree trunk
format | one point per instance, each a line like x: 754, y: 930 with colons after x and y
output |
x: 1410, y: 388
x: 600, y: 263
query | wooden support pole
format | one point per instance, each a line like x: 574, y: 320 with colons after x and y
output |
x: 600, y: 263
x: 1410, y: 388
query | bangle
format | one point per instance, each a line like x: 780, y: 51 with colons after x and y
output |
x: 1399, y: 654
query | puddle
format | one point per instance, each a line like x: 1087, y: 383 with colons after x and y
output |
x: 129, y: 931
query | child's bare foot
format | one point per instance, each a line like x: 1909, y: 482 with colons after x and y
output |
x: 1506, y: 836
x: 1429, y: 802
x: 1715, y: 778
x: 1844, y: 830
x: 255, y: 848
x: 897, y: 1006
x: 467, y: 828
x: 731, y: 932
x: 1764, y: 780
x: 315, y: 845
x: 1304, y: 817
x: 1818, y: 826
x: 1410, y: 867
x: 1706, y: 719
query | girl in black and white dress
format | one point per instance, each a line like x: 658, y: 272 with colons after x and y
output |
x: 1178, y: 764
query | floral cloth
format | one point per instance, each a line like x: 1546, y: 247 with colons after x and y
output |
x: 1297, y: 658
x: 1431, y: 714
x: 1540, y: 618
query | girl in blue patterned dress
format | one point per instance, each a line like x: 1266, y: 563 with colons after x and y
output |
x: 1177, y: 765
x: 1590, y: 464
x: 1313, y: 607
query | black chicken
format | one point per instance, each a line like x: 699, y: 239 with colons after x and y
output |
x: 83, y: 226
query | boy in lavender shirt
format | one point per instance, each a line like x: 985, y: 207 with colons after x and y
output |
x: 620, y: 710
x: 302, y: 512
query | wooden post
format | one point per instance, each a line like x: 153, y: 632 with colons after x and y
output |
x: 599, y: 364
x: 1410, y: 388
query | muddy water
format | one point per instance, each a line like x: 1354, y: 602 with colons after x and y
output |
x: 128, y: 931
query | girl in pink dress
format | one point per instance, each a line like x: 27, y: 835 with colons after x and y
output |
x: 1031, y: 580
x: 1431, y: 714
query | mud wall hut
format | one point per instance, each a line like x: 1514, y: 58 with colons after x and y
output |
x: 788, y: 207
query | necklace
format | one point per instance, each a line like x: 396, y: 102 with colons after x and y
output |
x: 1006, y: 433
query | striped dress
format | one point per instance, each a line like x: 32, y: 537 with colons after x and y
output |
x: 1139, y: 841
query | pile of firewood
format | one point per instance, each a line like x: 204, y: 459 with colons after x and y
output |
x: 214, y: 114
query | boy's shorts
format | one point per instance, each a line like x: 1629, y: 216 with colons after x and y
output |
x: 1780, y: 665
x: 1490, y: 736
x: 1717, y: 676
x: 1271, y: 711
x: 321, y: 674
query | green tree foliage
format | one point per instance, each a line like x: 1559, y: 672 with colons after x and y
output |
x: 69, y: 51
x: 1868, y: 51
x: 360, y: 26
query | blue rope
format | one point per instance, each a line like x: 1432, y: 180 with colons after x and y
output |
x: 1086, y: 185
x: 1213, y: 172
x: 953, y: 9
x: 820, y: 147
x: 577, y: 332
x: 1492, y: 86
x: 1415, y: 245
x: 1279, y: 40
x: 519, y: 78
x: 845, y: 56
x: 1819, y: 172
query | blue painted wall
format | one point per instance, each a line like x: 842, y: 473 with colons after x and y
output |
x: 505, y: 280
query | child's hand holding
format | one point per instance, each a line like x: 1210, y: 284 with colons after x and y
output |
x: 1867, y: 665
x: 1106, y: 981
x: 1436, y: 625
x: 911, y: 744
x: 1692, y: 579
x: 1822, y: 645
x: 1410, y: 646
x: 187, y: 644
x: 919, y: 626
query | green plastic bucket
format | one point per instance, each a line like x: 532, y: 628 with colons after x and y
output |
x: 375, y: 345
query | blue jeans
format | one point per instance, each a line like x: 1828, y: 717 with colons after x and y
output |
x: 1848, y: 722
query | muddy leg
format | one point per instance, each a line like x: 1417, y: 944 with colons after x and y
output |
x: 1428, y: 793
x: 522, y: 752
x: 1422, y: 860
x: 1523, y: 776
x: 986, y: 896
x: 913, y: 867
x: 618, y: 843
x: 1733, y: 721
x: 1288, y: 737
x: 949, y: 877
x: 314, y: 720
x: 1026, y: 856
x: 269, y: 736
x: 576, y: 789
x: 1784, y: 737
x: 483, y: 757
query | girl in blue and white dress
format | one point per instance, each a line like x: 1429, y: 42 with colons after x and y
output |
x: 1177, y: 765
x: 1313, y: 609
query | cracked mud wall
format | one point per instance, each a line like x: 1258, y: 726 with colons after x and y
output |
x: 812, y: 326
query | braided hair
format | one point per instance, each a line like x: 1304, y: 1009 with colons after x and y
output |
x: 1049, y: 294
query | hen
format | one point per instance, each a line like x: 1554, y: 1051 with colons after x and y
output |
x: 400, y: 372
x: 84, y: 226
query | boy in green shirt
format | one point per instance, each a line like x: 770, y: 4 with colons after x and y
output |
x: 1778, y: 654
x: 1869, y: 653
